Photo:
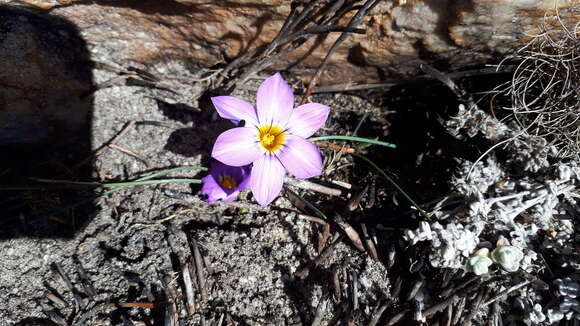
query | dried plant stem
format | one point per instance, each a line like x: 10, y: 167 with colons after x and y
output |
x: 377, y: 314
x: 305, y: 271
x: 506, y: 292
x: 307, y: 203
x: 126, y: 127
x: 308, y: 185
x: 369, y: 243
x: 57, y: 268
x: 189, y: 291
x: 489, y: 151
x: 306, y: 19
x: 351, y: 233
x: 319, y: 312
x: 56, y: 299
x: 199, y: 269
x: 396, y: 185
x: 396, y: 318
x: 544, y: 87
x: 356, y: 19
x: 312, y: 219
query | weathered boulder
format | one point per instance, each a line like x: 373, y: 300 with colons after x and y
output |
x: 45, y: 115
x: 400, y: 34
x: 44, y: 72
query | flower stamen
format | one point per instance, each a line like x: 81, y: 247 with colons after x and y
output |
x: 227, y: 182
x: 271, y: 138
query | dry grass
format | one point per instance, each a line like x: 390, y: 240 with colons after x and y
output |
x: 545, y: 88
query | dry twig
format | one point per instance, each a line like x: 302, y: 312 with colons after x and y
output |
x: 306, y: 19
x: 308, y: 185
x: 369, y: 243
x: 128, y: 125
x: 544, y: 90
x: 351, y: 233
x: 199, y: 269
x: 189, y: 291
x: 377, y: 314
x: 57, y: 268
x: 356, y: 19
x: 305, y: 271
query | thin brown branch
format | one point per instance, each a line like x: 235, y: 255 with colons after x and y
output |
x: 327, y: 252
x: 308, y: 185
x: 377, y: 314
x: 351, y: 233
x: 129, y: 152
x: 199, y: 269
x: 356, y: 19
x: 322, y: 30
x: 126, y: 127
x: 189, y: 291
x: 147, y: 305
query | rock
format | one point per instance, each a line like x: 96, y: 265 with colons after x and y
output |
x: 400, y: 34
x: 44, y: 73
x: 45, y: 116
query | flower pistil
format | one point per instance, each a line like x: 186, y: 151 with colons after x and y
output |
x: 228, y: 182
x: 271, y: 138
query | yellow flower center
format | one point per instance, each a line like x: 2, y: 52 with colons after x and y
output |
x: 227, y: 182
x: 271, y: 138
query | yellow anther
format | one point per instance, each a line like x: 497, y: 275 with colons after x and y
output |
x: 228, y: 182
x: 271, y: 138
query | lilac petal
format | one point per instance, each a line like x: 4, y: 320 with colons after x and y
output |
x: 301, y: 158
x: 237, y: 146
x: 212, y: 189
x: 241, y: 174
x: 231, y: 197
x: 215, y: 191
x: 244, y: 177
x: 307, y: 119
x: 274, y: 102
x: 267, y: 179
x: 235, y: 109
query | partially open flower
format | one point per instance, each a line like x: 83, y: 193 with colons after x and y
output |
x: 225, y: 182
x: 273, y: 137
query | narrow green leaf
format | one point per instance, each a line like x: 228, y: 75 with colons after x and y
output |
x: 148, y: 182
x: 394, y: 183
x: 168, y: 171
x: 361, y: 121
x: 355, y: 139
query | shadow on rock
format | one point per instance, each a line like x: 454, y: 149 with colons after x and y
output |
x: 199, y: 138
x: 45, y: 118
x: 427, y: 155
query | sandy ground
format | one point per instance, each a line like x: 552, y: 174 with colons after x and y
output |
x: 128, y: 258
x: 160, y: 255
x: 129, y: 255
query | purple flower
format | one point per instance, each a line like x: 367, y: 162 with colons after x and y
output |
x: 225, y: 182
x: 273, y: 138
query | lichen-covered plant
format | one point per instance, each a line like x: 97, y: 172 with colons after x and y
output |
x: 513, y: 212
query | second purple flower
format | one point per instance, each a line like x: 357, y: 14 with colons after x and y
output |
x: 273, y: 138
x: 225, y: 182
